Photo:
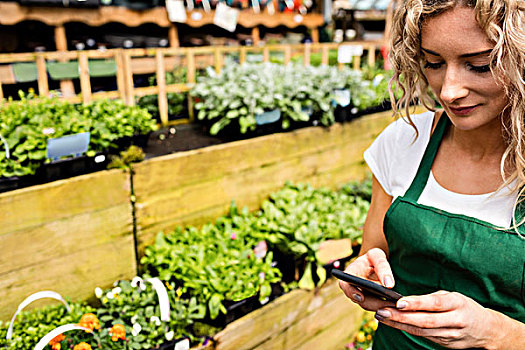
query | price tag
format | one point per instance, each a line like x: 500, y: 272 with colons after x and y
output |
x: 226, y: 17
x: 182, y: 345
x: 346, y: 52
x: 176, y: 11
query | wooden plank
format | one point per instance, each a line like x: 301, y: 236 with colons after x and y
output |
x: 85, y: 83
x: 371, y: 56
x: 287, y: 54
x: 242, y: 55
x: 324, y: 56
x: 218, y: 59
x: 43, y: 86
x: 128, y: 79
x: 256, y: 37
x: 161, y: 85
x: 179, y: 168
x: 357, y: 62
x: 1, y: 92
x: 74, y: 275
x: 306, y: 55
x: 33, y: 206
x: 330, y: 326
x: 66, y: 86
x: 315, y: 35
x: 121, y: 73
x: 270, y: 326
x: 173, y: 35
x: 266, y: 54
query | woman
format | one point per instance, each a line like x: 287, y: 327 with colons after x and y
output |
x: 445, y: 224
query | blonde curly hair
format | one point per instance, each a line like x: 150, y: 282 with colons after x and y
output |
x: 504, y: 23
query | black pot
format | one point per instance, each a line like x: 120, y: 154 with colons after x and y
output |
x: 70, y: 167
x: 16, y: 182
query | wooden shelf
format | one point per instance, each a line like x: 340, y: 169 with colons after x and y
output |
x: 12, y: 13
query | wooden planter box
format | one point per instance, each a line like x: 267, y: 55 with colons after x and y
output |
x: 299, y: 320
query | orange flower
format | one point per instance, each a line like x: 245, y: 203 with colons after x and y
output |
x: 82, y: 346
x: 117, y: 332
x: 89, y: 321
x: 55, y: 342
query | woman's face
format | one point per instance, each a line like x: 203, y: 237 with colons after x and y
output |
x: 456, y: 58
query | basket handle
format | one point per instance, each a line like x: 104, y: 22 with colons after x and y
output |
x: 59, y: 330
x: 29, y: 300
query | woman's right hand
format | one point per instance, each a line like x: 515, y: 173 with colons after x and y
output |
x: 374, y: 266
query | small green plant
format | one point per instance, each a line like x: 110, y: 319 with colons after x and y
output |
x: 133, y: 154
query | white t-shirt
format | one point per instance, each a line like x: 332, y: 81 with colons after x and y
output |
x: 394, y: 158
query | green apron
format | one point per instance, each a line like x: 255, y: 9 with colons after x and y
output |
x: 431, y: 249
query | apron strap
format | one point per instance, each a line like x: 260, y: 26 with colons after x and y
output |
x: 423, y: 172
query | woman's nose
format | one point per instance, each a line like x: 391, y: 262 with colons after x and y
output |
x: 454, y: 86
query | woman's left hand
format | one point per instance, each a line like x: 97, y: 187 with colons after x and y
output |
x: 447, y: 318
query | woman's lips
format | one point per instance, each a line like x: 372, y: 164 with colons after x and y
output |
x: 463, y: 110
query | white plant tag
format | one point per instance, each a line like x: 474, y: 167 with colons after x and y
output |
x: 164, y: 300
x: 29, y: 300
x: 196, y: 16
x: 59, y: 330
x: 206, y: 6
x: 226, y: 17
x: 190, y: 5
x: 342, y: 97
x: 255, y: 6
x: 176, y: 11
x: 298, y: 18
x: 184, y: 344
x: 346, y: 52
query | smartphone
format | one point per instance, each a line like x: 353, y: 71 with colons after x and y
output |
x: 368, y: 287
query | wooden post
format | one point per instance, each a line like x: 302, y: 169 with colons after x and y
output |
x: 121, y: 80
x: 307, y: 49
x: 287, y: 54
x: 85, y: 83
x: 357, y: 62
x: 242, y: 55
x: 218, y: 59
x: 128, y: 79
x: 161, y: 84
x: 324, y: 55
x: 173, y: 36
x: 266, y: 54
x: 372, y: 56
x: 315, y: 35
x: 43, y: 86
x: 1, y: 92
x: 67, y: 87
x: 256, y: 36
x: 190, y: 57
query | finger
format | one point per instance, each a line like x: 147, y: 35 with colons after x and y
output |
x: 365, y: 301
x: 377, y: 259
x: 437, y: 302
x: 426, y: 320
x: 444, y: 336
x: 360, y: 267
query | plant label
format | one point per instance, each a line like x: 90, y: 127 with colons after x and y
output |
x: 76, y: 144
x: 342, y: 97
x: 226, y: 17
x: 176, y: 11
x: 345, y: 53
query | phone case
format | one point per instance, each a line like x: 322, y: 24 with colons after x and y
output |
x: 368, y: 286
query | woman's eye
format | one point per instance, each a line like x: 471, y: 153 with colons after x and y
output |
x: 433, y: 65
x: 479, y: 69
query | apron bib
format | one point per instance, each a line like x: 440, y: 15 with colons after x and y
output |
x: 431, y: 249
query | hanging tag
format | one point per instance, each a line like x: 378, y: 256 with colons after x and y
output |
x: 289, y: 4
x: 206, y: 6
x: 298, y: 18
x: 176, y: 11
x: 164, y: 300
x: 196, y: 16
x: 346, y: 52
x: 256, y: 7
x: 226, y: 17
x: 59, y: 330
x: 29, y: 300
x: 190, y: 5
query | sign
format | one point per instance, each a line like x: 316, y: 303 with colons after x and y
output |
x: 226, y: 17
x: 346, y: 52
x: 76, y: 144
x: 176, y: 11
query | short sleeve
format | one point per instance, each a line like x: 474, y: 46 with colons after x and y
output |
x: 378, y: 156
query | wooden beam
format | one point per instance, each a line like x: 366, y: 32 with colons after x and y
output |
x: 173, y: 35
x: 121, y: 73
x: 85, y: 83
x: 315, y: 35
x: 256, y: 36
x: 324, y: 55
x: 287, y: 54
x: 266, y: 54
x: 66, y: 86
x: 43, y: 85
x: 307, y: 50
x: 218, y: 59
x: 161, y: 84
x: 242, y: 55
x: 371, y: 56
x: 128, y: 78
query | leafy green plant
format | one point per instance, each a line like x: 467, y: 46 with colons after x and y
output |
x: 298, y: 218
x: 133, y: 154
x: 27, y: 124
x: 216, y: 263
x: 135, y: 305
